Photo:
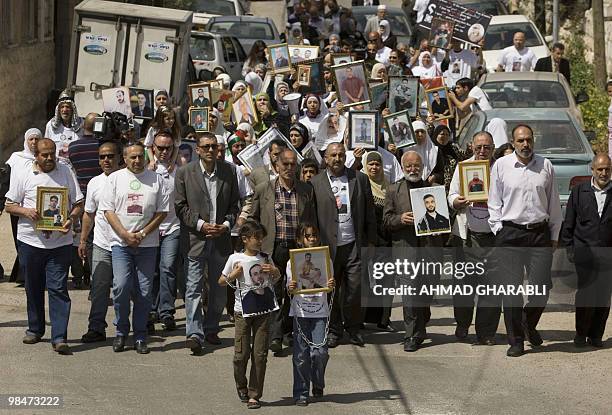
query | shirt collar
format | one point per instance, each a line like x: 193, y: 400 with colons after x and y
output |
x: 597, y: 189
x: 519, y: 163
x: 205, y: 172
x: 332, y: 177
x: 280, y: 185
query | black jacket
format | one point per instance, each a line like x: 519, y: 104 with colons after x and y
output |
x: 545, y: 65
x: 582, y: 226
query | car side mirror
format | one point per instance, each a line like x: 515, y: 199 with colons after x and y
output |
x: 590, y: 135
x: 581, y: 97
x: 205, y: 75
x: 548, y: 39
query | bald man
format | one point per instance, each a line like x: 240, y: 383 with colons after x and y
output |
x: 518, y: 57
x: 587, y: 234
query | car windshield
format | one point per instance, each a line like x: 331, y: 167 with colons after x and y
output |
x: 244, y: 30
x: 488, y: 7
x: 552, y: 137
x: 398, y: 22
x: 202, y: 48
x: 219, y: 7
x: 526, y: 94
x: 500, y: 36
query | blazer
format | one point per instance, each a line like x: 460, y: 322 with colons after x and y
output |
x: 545, y: 65
x: 264, y: 210
x: 362, y: 209
x: 259, y: 175
x: 191, y: 204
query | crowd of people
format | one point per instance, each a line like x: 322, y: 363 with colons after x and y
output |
x: 152, y: 218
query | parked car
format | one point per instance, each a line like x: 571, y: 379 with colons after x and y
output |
x: 247, y: 29
x: 491, y: 7
x: 210, y: 51
x: 500, y: 33
x: 531, y: 90
x: 203, y: 10
x: 395, y: 15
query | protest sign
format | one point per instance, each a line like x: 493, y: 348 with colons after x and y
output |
x: 469, y: 25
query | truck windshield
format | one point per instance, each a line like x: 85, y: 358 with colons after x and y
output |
x: 219, y: 7
x: 202, y: 48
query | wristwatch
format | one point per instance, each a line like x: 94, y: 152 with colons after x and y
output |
x: 143, y: 234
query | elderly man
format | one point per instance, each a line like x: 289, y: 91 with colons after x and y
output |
x: 587, y: 234
x: 518, y: 57
x: 344, y: 210
x: 373, y: 22
x: 264, y: 174
x: 65, y: 126
x: 472, y: 226
x: 206, y: 203
x: 45, y: 255
x: 135, y: 202
x: 525, y: 215
x: 382, y: 51
x: 279, y: 205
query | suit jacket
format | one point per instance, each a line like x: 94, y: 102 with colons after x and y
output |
x: 362, y: 209
x: 146, y: 112
x: 191, y: 204
x: 264, y: 210
x: 258, y: 176
x: 545, y: 65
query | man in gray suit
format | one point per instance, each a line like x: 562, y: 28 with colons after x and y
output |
x: 347, y: 223
x: 280, y: 205
x: 206, y: 203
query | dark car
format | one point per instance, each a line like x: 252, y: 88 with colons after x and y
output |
x: 400, y: 26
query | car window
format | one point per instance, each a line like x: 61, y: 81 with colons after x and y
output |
x: 244, y: 30
x: 399, y: 23
x: 239, y: 50
x: 202, y: 48
x: 500, y: 36
x: 489, y: 7
x: 219, y: 7
x: 228, y: 49
x: 526, y: 94
x: 552, y: 137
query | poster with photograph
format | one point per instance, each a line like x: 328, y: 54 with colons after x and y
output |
x: 438, y: 103
x: 301, y: 53
x: 52, y: 206
x: 198, y: 119
x: 304, y: 75
x: 278, y: 57
x: 351, y: 83
x: 310, y: 152
x: 469, y: 25
x: 253, y: 155
x: 311, y: 269
x: 404, y: 94
x: 317, y: 81
x: 456, y: 70
x: 363, y: 129
x: 430, y: 210
x: 243, y: 108
x: 379, y: 96
x: 441, y: 33
x: 399, y: 128
x: 256, y: 290
x: 341, y: 58
x: 200, y: 95
x: 474, y: 180
x: 117, y: 100
x: 142, y: 103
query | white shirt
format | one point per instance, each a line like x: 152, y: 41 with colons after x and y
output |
x: 420, y: 6
x: 210, y: 180
x: 235, y: 258
x: 391, y: 167
x: 23, y: 191
x: 464, y: 55
x: 524, y: 194
x: 382, y: 55
x: 481, y: 99
x: 307, y: 305
x: 514, y: 60
x: 62, y: 137
x: 340, y: 190
x: 170, y: 223
x: 600, y: 195
x: 135, y: 199
x: 102, y: 229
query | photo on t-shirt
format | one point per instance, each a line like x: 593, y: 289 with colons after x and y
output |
x: 135, y: 204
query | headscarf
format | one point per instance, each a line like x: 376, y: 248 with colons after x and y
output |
x: 427, y: 150
x: 246, y: 127
x: 25, y: 156
x: 76, y: 123
x: 303, y: 131
x: 241, y: 82
x: 255, y: 82
x: 227, y: 80
x: 423, y: 71
x: 447, y: 150
x: 323, y: 110
x: 386, y: 32
x: 379, y: 183
x: 263, y: 94
x: 498, y: 129
x: 377, y: 67
x: 281, y: 105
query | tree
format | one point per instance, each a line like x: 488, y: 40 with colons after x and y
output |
x: 599, y: 44
x: 539, y: 14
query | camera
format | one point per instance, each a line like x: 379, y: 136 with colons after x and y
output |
x: 111, y: 126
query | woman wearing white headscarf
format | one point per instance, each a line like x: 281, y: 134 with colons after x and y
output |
x: 255, y: 82
x: 315, y: 114
x: 226, y: 79
x: 498, y: 129
x: 387, y: 37
x: 426, y: 68
x: 433, y: 162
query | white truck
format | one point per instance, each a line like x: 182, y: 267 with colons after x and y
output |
x: 118, y: 44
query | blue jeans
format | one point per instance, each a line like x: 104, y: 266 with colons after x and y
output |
x: 196, y: 324
x: 133, y: 270
x: 164, y: 291
x: 47, y: 267
x: 309, y: 363
x: 101, y: 282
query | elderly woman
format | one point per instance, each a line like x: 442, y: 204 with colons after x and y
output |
x: 379, y: 73
x: 386, y: 35
x: 267, y: 117
x: 451, y: 153
x: 281, y: 89
x: 426, y: 68
x: 433, y: 161
x: 315, y: 116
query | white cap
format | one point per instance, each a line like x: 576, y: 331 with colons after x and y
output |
x: 382, y: 7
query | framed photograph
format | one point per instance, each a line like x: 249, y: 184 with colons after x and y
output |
x: 399, y: 127
x: 310, y: 269
x: 363, y: 129
x: 310, y: 152
x: 474, y: 180
x: 253, y: 155
x: 301, y: 53
x: 216, y: 83
x: 278, y: 56
x: 303, y: 75
x: 351, y: 83
x: 222, y: 100
x: 379, y: 94
x: 198, y: 119
x: 142, y: 103
x: 317, y: 81
x: 52, y: 206
x: 341, y: 58
x: 243, y: 108
x: 430, y: 210
x: 117, y: 100
x: 199, y: 95
x: 256, y: 290
x: 438, y: 103
x: 456, y: 70
x: 404, y: 94
x: 441, y: 33
x: 431, y: 83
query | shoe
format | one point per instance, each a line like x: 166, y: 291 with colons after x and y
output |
x: 150, y: 327
x: 461, y: 332
x: 253, y: 404
x: 317, y: 393
x: 168, y: 323
x: 532, y: 335
x: 411, y: 345
x: 487, y: 341
x: 244, y: 397
x: 288, y: 340
x: 118, y: 344
x: 141, y: 347
x: 93, y: 336
x: 332, y: 341
x: 213, y: 338
x: 194, y: 344
x: 301, y: 402
x: 276, y: 346
x: 356, y: 339
x: 30, y: 339
x: 580, y: 341
x: 595, y: 342
x: 62, y: 348
x: 386, y: 327
x: 516, y: 350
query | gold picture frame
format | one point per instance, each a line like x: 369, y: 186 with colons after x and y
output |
x: 52, y: 206
x: 340, y: 76
x: 317, y: 256
x: 193, y: 94
x: 202, y: 126
x: 283, y: 65
x: 303, y: 75
x: 443, y: 95
x: 472, y: 175
x: 244, y: 104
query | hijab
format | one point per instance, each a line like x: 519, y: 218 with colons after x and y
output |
x: 263, y: 94
x: 386, y: 30
x: 281, y: 105
x: 378, y: 183
x: 377, y: 67
x: 303, y: 131
x: 497, y: 128
x: 238, y: 83
x: 26, y: 156
x: 225, y: 78
x: 423, y: 71
x: 427, y: 150
x: 322, y: 107
x: 447, y: 150
x: 255, y: 82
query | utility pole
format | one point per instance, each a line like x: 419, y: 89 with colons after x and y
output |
x: 599, y: 45
x: 555, y: 21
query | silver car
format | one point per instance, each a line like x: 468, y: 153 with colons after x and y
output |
x: 247, y: 29
x: 210, y: 51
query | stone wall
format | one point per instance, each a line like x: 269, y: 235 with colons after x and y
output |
x: 588, y: 35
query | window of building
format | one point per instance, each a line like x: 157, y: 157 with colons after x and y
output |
x: 30, y: 15
x: 9, y: 24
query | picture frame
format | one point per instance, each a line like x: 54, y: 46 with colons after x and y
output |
x: 252, y: 156
x: 222, y: 99
x: 359, y: 93
x: 52, y: 206
x: 311, y: 269
x: 117, y: 100
x: 198, y: 119
x: 438, y: 103
x: 142, y: 103
x: 379, y: 96
x: 302, y: 53
x: 317, y: 80
x: 363, y: 129
x: 200, y: 95
x: 425, y: 202
x: 399, y: 128
x: 404, y: 94
x: 341, y: 58
x: 474, y: 180
x: 243, y: 108
x: 255, y: 291
x: 278, y: 57
x: 441, y: 33
x: 310, y: 151
x: 216, y: 83
x: 303, y: 75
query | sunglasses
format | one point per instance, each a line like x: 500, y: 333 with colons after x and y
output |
x: 485, y: 147
x: 164, y: 148
x: 207, y: 147
x: 106, y: 156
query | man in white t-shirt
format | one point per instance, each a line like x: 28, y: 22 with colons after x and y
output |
x: 45, y: 255
x: 100, y: 256
x: 65, y: 126
x: 518, y: 57
x: 382, y: 52
x: 475, y: 96
x: 135, y: 202
x: 457, y: 53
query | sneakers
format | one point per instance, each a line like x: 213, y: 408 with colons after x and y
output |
x: 62, y: 348
x: 30, y: 339
x: 93, y: 336
x: 141, y: 347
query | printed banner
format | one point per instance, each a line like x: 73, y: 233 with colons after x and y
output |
x: 469, y: 25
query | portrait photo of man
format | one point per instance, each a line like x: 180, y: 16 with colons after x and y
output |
x: 402, y: 96
x: 364, y: 135
x: 476, y: 184
x: 280, y: 60
x: 353, y: 88
x: 400, y: 131
x: 432, y: 221
x: 142, y: 107
x: 439, y: 105
x: 258, y: 300
x: 201, y: 100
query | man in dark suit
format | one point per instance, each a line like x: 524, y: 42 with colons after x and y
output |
x: 432, y: 221
x: 346, y: 221
x: 201, y: 100
x: 587, y: 234
x: 280, y: 205
x: 206, y: 203
x: 555, y: 62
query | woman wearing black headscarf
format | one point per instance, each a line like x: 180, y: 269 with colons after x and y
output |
x: 451, y: 153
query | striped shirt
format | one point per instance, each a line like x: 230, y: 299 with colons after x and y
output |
x: 83, y: 155
x: 286, y: 212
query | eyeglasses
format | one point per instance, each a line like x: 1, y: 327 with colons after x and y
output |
x: 485, y: 147
x: 207, y: 147
x: 163, y: 148
x: 106, y: 156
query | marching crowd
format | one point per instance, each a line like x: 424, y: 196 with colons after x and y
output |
x: 152, y: 218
